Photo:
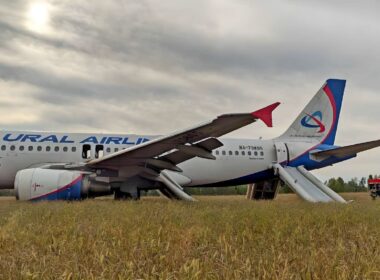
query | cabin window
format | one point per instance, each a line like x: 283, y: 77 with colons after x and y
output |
x: 74, y: 149
x: 21, y: 148
x: 109, y: 150
x: 86, y: 151
x: 236, y: 153
x: 243, y: 153
x: 230, y: 153
x: 3, y: 148
x: 116, y: 150
x: 99, y: 151
x: 262, y: 154
x: 217, y: 153
x: 13, y: 148
x: 48, y: 148
x: 30, y: 148
x: 65, y: 149
x: 256, y: 154
x: 56, y: 149
x: 249, y: 153
x: 224, y: 153
x: 39, y: 148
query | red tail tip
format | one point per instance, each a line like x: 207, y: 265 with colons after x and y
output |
x: 265, y: 114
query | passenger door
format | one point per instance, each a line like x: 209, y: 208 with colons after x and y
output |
x: 282, y: 153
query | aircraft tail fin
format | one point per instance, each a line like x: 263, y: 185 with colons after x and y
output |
x: 319, y: 120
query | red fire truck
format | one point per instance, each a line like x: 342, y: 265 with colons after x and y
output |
x: 374, y: 187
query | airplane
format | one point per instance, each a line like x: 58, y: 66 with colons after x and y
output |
x: 72, y: 166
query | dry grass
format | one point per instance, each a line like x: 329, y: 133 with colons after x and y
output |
x: 216, y: 238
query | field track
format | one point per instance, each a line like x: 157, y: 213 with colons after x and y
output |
x: 216, y: 238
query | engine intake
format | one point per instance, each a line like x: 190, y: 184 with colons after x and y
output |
x: 45, y: 184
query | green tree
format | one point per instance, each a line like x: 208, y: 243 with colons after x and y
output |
x: 352, y: 185
x: 337, y: 185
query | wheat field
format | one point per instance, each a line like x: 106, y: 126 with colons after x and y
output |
x: 215, y: 238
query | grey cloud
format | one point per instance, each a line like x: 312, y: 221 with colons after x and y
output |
x: 153, y: 67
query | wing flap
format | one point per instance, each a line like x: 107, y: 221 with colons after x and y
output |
x: 179, y: 156
x: 210, y: 144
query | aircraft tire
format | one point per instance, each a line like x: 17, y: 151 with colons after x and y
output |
x: 119, y: 195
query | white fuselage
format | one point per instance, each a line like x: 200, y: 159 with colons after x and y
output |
x: 22, y: 150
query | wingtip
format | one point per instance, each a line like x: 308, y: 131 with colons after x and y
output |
x: 265, y: 114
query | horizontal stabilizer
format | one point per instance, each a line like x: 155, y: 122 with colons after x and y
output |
x: 347, y: 150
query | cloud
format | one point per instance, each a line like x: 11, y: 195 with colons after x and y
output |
x: 153, y: 67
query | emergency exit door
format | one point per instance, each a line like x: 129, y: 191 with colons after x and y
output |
x: 282, y: 153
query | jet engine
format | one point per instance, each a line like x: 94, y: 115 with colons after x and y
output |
x: 46, y: 184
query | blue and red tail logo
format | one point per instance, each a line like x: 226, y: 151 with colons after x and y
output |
x: 314, y: 121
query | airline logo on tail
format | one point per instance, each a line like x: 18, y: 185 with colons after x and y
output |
x: 314, y: 121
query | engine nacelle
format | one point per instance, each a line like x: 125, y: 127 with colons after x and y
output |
x: 46, y: 184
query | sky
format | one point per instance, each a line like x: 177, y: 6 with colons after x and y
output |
x: 154, y: 67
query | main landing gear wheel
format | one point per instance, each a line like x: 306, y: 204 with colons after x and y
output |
x: 122, y: 195
x: 119, y: 195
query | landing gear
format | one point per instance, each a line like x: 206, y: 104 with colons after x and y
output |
x: 122, y: 196
x: 119, y: 195
x: 266, y: 190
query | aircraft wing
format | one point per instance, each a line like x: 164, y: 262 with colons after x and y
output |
x: 347, y: 150
x: 168, y: 151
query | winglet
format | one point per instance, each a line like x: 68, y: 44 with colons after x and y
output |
x: 265, y: 114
